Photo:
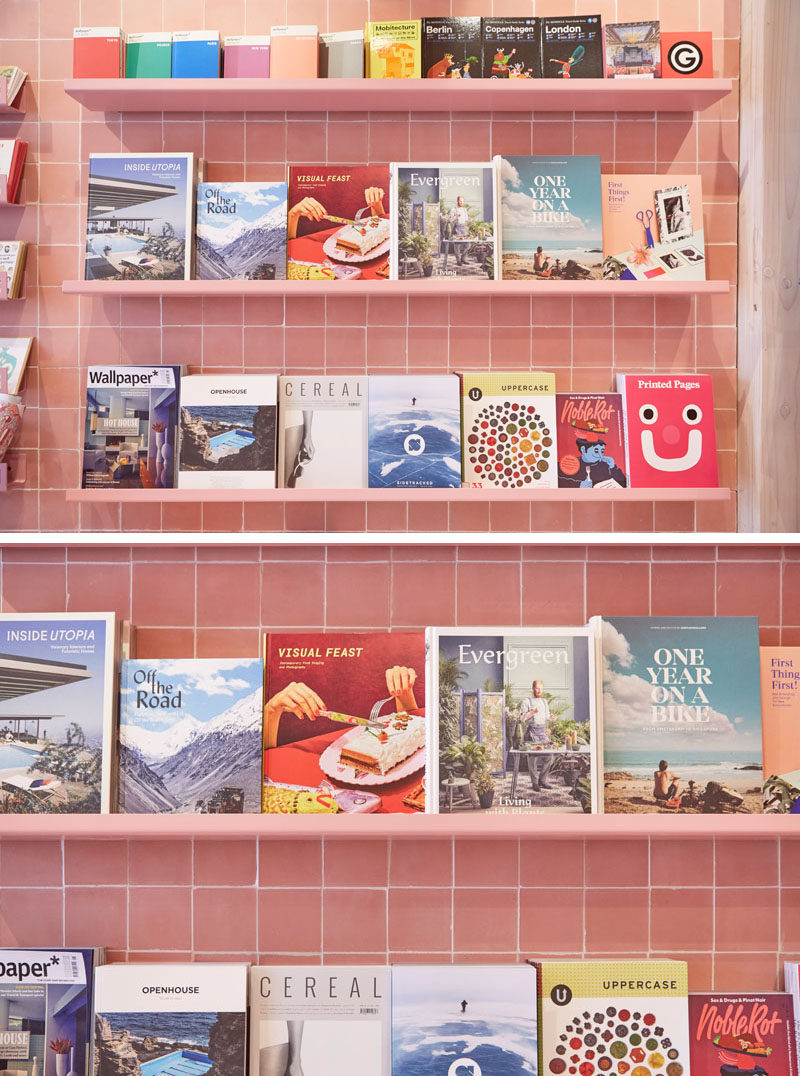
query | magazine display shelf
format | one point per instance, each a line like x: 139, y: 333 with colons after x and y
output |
x: 7, y: 110
x: 382, y: 496
x: 396, y: 95
x: 209, y: 289
x: 398, y: 826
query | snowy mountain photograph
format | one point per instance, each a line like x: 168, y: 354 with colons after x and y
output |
x: 241, y: 231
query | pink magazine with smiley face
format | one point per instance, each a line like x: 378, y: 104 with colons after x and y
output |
x: 669, y: 421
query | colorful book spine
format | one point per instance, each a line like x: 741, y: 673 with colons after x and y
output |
x: 195, y: 54
x: 246, y: 56
x: 294, y: 52
x: 97, y: 52
x: 149, y: 56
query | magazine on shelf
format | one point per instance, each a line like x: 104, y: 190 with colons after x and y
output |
x: 322, y: 432
x: 571, y: 46
x: 149, y: 55
x: 590, y: 435
x: 241, y: 231
x: 780, y: 715
x: 733, y: 1034
x: 393, y: 49
x: 246, y: 56
x: 57, y: 732
x: 633, y: 49
x: 14, y: 354
x: 294, y: 52
x: 511, y: 47
x: 196, y: 54
x: 13, y: 255
x: 451, y: 47
x: 524, y: 699
x: 341, y: 54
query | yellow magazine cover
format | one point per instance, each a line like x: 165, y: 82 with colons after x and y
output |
x: 393, y: 49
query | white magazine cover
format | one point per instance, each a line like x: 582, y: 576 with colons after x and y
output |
x: 322, y: 432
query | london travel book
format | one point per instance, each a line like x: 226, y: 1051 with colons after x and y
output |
x: 190, y: 736
x: 57, y: 741
x: 241, y: 231
x: 322, y: 433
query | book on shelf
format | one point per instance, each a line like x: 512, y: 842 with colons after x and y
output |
x: 571, y: 46
x: 344, y: 722
x: 452, y: 47
x: 57, y: 713
x: 327, y: 1020
x: 14, y: 354
x: 140, y: 218
x: 47, y: 1009
x: 98, y: 52
x: 341, y: 54
x: 195, y: 54
x: 734, y: 1034
x: 791, y: 982
x: 633, y: 49
x: 687, y: 54
x: 590, y: 435
x: 393, y: 49
x: 190, y: 736
x: 11, y: 411
x: 322, y: 432
x: 246, y: 56
x: 414, y: 431
x: 294, y: 52
x: 176, y: 1018
x: 653, y: 227
x: 240, y: 231
x: 12, y: 159
x: 679, y: 714
x: 780, y: 716
x: 669, y: 430
x: 443, y: 221
x: 511, y: 47
x: 338, y: 222
x: 474, y: 1018
x: 631, y: 1013
x: 13, y: 254
x: 14, y: 78
x: 228, y: 431
x: 550, y: 218
x: 149, y: 55
x: 131, y: 430
x: 523, y: 700
x: 508, y: 430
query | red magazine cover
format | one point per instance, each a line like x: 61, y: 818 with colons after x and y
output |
x: 742, y: 1035
x: 338, y: 222
x: 344, y: 722
x: 669, y: 426
x: 591, y: 441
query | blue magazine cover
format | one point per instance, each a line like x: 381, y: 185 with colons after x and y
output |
x: 241, y: 231
x: 452, y: 1019
x: 56, y: 712
x: 414, y: 431
x: 550, y: 218
x: 681, y: 714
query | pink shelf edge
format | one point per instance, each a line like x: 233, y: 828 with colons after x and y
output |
x: 405, y: 826
x: 619, y: 289
x: 289, y: 496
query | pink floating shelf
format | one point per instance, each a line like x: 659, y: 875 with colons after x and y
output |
x: 381, y: 496
x: 397, y: 95
x: 209, y: 289
x: 406, y: 826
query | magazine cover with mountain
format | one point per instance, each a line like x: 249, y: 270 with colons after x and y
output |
x: 509, y: 430
x: 780, y: 716
x: 414, y: 431
x: 739, y: 1034
x: 550, y: 218
x: 57, y: 712
x: 443, y: 221
x: 228, y: 431
x: 571, y: 46
x: 451, y: 47
x: 669, y: 430
x: 190, y: 736
x: 591, y: 440
x: 322, y: 432
x: 331, y: 1021
x: 241, y: 231
x: 344, y: 722
x: 464, y: 1018
x: 511, y: 47
x: 131, y: 430
x: 338, y: 222
x: 184, y: 1019
x: 653, y: 227
x: 680, y: 714
x: 140, y: 216
x: 513, y: 712
x: 46, y: 1002
x: 614, y: 1016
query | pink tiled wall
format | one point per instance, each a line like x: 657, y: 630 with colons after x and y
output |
x: 586, y: 341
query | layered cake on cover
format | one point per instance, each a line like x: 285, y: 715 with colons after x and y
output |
x: 381, y: 750
x: 363, y: 236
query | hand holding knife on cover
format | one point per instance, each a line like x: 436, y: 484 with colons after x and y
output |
x: 314, y: 210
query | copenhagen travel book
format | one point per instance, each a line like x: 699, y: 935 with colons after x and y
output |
x: 241, y: 231
x: 57, y: 712
x: 513, y: 719
x: 319, y: 1020
x: 190, y: 736
x: 679, y: 714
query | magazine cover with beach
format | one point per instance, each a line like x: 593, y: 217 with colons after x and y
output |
x: 681, y: 714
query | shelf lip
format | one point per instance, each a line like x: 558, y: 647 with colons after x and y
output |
x: 373, y: 496
x: 397, y: 826
x: 209, y: 289
x: 397, y: 95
